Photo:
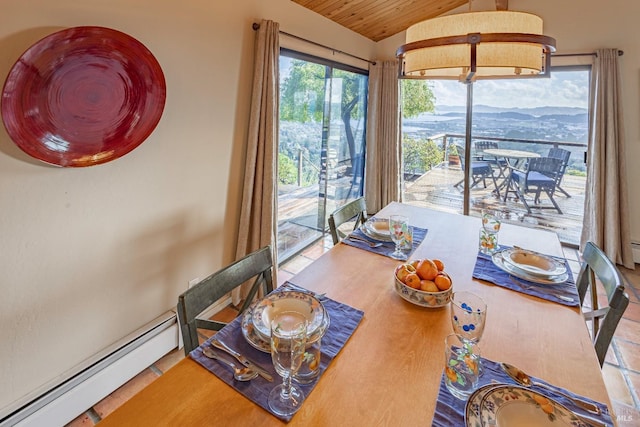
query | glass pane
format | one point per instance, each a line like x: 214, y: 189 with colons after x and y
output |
x: 527, y: 115
x: 321, y: 150
x: 346, y: 138
x: 302, y: 104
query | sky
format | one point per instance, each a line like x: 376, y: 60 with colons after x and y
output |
x: 562, y: 89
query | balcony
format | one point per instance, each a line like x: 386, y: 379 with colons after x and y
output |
x: 435, y: 189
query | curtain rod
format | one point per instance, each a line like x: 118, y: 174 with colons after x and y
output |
x: 256, y: 26
x: 620, y: 53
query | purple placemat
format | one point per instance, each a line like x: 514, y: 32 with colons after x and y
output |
x: 386, y: 248
x: 450, y: 411
x: 344, y: 321
x: 564, y: 293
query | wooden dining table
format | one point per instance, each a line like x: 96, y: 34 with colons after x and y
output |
x: 389, y: 371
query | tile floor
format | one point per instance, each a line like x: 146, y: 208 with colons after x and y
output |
x: 621, y: 370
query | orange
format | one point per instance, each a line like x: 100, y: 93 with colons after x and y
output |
x: 403, y: 270
x: 412, y: 280
x: 442, y: 281
x: 426, y: 269
x: 428, y: 286
x: 439, y: 264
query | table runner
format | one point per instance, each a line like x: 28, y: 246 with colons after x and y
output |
x: 450, y: 410
x: 344, y: 321
x: 562, y: 293
x: 419, y: 235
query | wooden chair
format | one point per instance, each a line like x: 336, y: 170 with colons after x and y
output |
x: 597, y: 268
x: 564, y: 155
x: 355, y: 209
x: 480, y: 171
x: 257, y: 265
x: 540, y: 176
x: 500, y: 164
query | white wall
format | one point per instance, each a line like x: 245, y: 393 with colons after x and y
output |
x: 583, y: 26
x: 88, y: 255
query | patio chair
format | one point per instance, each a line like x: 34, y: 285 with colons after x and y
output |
x: 564, y: 155
x: 480, y: 171
x: 257, y: 265
x: 597, y: 268
x: 501, y: 164
x: 355, y: 209
x: 540, y: 176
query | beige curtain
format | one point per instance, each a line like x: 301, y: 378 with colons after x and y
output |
x: 606, y: 221
x: 258, y: 211
x: 383, y: 178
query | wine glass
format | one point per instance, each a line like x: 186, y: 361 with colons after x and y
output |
x: 288, y: 342
x: 397, y: 227
x: 468, y: 316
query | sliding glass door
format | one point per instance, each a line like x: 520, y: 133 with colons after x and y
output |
x: 321, y: 148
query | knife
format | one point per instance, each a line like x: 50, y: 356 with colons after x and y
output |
x: 242, y: 359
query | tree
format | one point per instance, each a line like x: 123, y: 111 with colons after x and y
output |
x: 417, y: 97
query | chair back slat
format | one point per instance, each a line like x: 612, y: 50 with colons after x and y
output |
x: 258, y: 266
x: 598, y: 270
x: 355, y: 209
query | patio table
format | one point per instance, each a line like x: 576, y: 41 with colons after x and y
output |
x: 389, y: 371
x: 514, y: 159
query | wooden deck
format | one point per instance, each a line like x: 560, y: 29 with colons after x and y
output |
x: 298, y: 208
x: 435, y: 189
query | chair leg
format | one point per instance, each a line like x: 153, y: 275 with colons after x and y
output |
x: 553, y: 201
x: 563, y: 191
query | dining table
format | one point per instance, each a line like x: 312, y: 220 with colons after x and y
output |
x: 389, y: 371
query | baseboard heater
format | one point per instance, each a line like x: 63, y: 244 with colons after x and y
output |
x: 94, y: 379
x: 635, y: 247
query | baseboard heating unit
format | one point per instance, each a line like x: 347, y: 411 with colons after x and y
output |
x: 85, y: 385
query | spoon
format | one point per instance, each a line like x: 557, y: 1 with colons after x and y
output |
x: 371, y: 244
x: 240, y: 374
x: 525, y: 380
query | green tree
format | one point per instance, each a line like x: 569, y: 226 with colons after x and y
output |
x: 417, y: 97
x: 287, y: 170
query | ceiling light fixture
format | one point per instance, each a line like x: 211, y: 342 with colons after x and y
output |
x: 476, y: 45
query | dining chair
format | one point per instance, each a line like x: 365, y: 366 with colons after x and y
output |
x: 480, y: 171
x: 257, y: 265
x: 500, y: 164
x: 564, y: 155
x: 597, y: 268
x: 539, y: 176
x: 354, y: 209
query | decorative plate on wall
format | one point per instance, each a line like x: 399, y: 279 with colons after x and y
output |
x: 83, y: 96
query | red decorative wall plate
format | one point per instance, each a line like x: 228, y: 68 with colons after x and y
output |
x: 83, y: 96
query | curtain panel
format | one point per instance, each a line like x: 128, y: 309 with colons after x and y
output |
x: 606, y: 221
x: 383, y: 174
x: 259, y: 206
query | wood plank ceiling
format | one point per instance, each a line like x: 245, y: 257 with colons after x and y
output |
x: 379, y: 19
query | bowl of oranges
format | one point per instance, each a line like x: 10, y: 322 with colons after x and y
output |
x: 423, y: 282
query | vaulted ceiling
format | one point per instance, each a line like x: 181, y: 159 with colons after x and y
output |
x: 379, y: 19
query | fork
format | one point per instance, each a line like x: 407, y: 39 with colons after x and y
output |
x: 359, y: 239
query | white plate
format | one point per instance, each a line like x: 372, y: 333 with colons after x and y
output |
x: 472, y: 410
x: 534, y: 263
x: 287, y: 301
x: 377, y: 228
x: 499, y: 262
x: 259, y: 343
x: 507, y: 405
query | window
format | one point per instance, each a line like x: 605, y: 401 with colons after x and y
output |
x: 520, y: 114
x: 321, y: 145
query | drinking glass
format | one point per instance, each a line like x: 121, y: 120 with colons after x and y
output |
x: 468, y: 315
x: 488, y: 240
x: 288, y: 340
x: 310, y: 368
x: 397, y: 227
x: 461, y: 366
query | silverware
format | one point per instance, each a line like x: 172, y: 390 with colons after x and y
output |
x: 242, y: 359
x: 358, y: 239
x: 522, y: 378
x: 240, y: 374
x: 527, y: 287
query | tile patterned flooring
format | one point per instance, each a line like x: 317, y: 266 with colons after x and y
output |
x: 621, y: 370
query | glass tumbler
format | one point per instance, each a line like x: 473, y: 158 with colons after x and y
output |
x: 461, y: 366
x: 310, y: 368
x: 488, y: 239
